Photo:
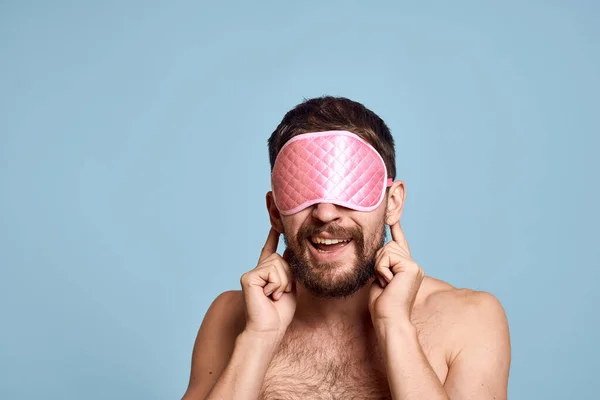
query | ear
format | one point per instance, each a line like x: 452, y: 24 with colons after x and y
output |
x: 274, y: 214
x: 395, y: 202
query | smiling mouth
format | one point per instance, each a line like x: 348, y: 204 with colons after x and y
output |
x: 323, y: 245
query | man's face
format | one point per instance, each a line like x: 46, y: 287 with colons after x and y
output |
x: 326, y: 268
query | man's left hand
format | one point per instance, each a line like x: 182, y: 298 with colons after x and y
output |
x: 398, y: 279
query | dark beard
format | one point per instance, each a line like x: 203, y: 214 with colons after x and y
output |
x: 319, y: 279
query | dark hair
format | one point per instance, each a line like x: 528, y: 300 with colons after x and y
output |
x: 329, y: 113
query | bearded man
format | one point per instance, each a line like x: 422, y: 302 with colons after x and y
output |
x: 341, y: 314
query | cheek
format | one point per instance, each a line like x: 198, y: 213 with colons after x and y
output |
x: 291, y: 224
x: 374, y: 229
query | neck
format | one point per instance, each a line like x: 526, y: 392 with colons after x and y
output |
x: 316, y: 312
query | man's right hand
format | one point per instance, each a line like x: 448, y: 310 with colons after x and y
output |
x: 269, y: 291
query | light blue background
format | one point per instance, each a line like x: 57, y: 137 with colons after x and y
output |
x: 133, y: 168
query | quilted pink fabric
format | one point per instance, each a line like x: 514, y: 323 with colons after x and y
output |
x: 328, y: 167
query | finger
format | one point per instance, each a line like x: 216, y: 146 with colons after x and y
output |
x: 406, y: 265
x: 284, y: 273
x: 398, y: 237
x: 292, y: 286
x: 284, y: 278
x: 261, y: 277
x: 270, y: 275
x: 278, y: 286
x: 386, y: 264
x: 270, y: 246
x: 390, y: 248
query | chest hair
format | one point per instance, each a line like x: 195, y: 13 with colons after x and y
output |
x: 310, y: 367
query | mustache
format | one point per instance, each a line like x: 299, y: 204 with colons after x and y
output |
x: 308, y: 230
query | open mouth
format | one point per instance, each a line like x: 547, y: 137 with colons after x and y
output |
x: 326, y: 245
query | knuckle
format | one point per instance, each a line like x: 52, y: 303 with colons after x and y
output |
x: 282, y: 265
x: 265, y: 266
x: 273, y: 275
x: 276, y: 261
x: 269, y: 258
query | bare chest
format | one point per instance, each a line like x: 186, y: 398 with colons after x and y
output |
x: 306, y: 369
x: 312, y: 369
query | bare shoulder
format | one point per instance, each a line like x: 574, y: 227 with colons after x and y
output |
x: 229, y: 306
x: 466, y: 315
x: 226, y: 314
x: 460, y: 305
x: 223, y: 322
x: 458, y: 301
x: 472, y: 328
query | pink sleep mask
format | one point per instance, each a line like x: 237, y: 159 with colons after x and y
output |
x: 335, y: 167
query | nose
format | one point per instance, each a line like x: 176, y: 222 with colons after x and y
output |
x: 326, y: 212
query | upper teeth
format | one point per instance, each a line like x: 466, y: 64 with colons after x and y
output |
x: 329, y: 241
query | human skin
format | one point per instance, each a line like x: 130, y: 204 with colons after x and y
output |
x: 423, y: 339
